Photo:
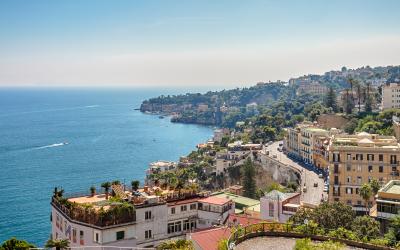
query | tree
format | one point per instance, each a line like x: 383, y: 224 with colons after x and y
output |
x: 368, y: 99
x: 365, y: 227
x: 249, y: 183
x: 106, y: 186
x: 92, y: 191
x: 348, y: 102
x: 15, y: 244
x: 359, y: 97
x: 135, y: 185
x: 375, y: 186
x: 176, y: 245
x: 58, y: 244
x: 115, y: 182
x: 366, y: 193
x: 330, y: 100
x: 393, y: 235
x: 327, y: 215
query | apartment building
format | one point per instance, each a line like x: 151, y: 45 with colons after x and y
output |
x: 140, y: 219
x: 313, y: 88
x: 303, y: 141
x: 390, y: 96
x: 357, y: 159
x: 387, y: 203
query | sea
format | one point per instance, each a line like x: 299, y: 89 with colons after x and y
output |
x: 75, y: 138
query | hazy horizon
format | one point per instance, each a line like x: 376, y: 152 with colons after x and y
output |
x: 215, y: 44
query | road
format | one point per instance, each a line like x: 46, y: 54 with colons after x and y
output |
x: 313, y: 194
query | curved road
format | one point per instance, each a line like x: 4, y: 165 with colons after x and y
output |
x: 313, y: 194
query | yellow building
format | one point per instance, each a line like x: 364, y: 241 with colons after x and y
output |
x: 357, y: 159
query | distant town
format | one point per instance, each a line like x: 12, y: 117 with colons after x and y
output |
x: 316, y: 156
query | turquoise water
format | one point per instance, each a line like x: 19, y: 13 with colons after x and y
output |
x: 106, y: 140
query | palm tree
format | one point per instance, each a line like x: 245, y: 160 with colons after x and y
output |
x: 106, y: 186
x: 93, y: 191
x: 58, y: 244
x: 135, y: 185
x: 375, y: 186
x: 366, y: 193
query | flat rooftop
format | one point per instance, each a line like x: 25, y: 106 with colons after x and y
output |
x: 247, y: 202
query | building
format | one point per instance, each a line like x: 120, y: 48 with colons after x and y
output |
x: 278, y: 206
x: 300, y: 141
x: 320, y: 151
x: 390, y: 96
x: 313, y: 88
x: 387, y: 203
x: 220, y: 133
x: 159, y: 167
x: 142, y: 218
x: 396, y: 126
x: 357, y: 159
x: 241, y: 202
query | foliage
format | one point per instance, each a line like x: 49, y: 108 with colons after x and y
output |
x: 307, y: 244
x: 176, y: 245
x: 365, y: 193
x: 135, y: 185
x: 92, y: 190
x: 275, y: 186
x: 222, y: 244
x: 249, y: 183
x: 393, y: 235
x: 16, y: 244
x: 375, y: 186
x: 342, y: 233
x: 58, y: 244
x: 327, y: 215
x: 365, y: 227
x: 330, y: 100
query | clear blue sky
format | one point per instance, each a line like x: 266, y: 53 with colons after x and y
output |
x: 152, y: 43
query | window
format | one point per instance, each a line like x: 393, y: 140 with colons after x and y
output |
x: 74, y: 235
x: 271, y: 209
x: 359, y: 168
x: 370, y: 157
x: 336, y: 180
x: 359, y: 203
x: 349, y: 157
x: 193, y: 206
x: 394, y: 169
x: 357, y: 190
x: 178, y: 226
x: 348, y: 167
x: 183, y: 208
x: 349, y: 202
x: 172, y: 210
x: 147, y: 234
x: 81, y: 238
x: 370, y: 168
x: 120, y: 235
x: 359, y: 180
x: 380, y: 169
x: 335, y: 168
x: 349, y: 190
x: 348, y: 179
x: 336, y: 157
x: 393, y: 159
x: 380, y: 157
x: 171, y: 228
x: 147, y: 215
x: 185, y: 225
x: 359, y: 157
x: 96, y: 237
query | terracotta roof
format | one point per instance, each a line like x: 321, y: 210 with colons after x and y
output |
x: 215, y: 200
x: 244, y: 220
x: 208, y: 239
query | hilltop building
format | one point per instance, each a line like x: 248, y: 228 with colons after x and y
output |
x: 390, y: 96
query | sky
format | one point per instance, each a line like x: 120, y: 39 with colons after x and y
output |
x: 166, y: 43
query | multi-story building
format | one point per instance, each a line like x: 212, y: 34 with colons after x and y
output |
x: 357, y: 159
x: 159, y: 167
x: 278, y: 206
x: 139, y: 219
x: 387, y: 203
x: 314, y: 88
x: 302, y: 141
x: 390, y: 96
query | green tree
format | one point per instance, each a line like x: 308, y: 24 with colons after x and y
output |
x: 365, y: 227
x: 330, y: 99
x: 249, y: 183
x: 135, y: 185
x: 176, y: 245
x: 375, y: 186
x: 92, y: 191
x: 15, y: 244
x: 368, y: 99
x: 393, y: 235
x: 106, y: 186
x: 58, y: 244
x: 366, y: 193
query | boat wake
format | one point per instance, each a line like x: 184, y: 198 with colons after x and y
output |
x: 53, y: 145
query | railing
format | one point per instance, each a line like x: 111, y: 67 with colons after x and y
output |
x: 98, y: 248
x: 289, y: 230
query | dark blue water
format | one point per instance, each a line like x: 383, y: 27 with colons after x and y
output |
x: 107, y: 140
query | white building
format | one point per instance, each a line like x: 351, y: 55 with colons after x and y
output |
x: 95, y: 221
x: 391, y: 96
x: 278, y: 206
